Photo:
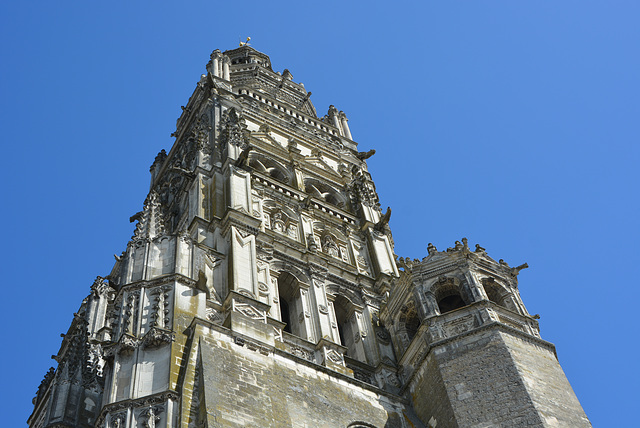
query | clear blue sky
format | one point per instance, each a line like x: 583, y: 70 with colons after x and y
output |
x: 513, y: 123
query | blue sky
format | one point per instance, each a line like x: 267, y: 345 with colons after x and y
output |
x: 514, y: 124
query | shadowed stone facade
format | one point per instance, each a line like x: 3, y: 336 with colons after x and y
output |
x: 260, y: 288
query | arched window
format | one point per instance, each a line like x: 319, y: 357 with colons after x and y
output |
x: 270, y: 168
x: 323, y: 191
x: 494, y: 291
x: 409, y: 323
x: 344, y: 311
x: 412, y: 324
x: 290, y: 301
x: 450, y: 303
x: 448, y: 295
x: 350, y: 323
x: 285, y: 315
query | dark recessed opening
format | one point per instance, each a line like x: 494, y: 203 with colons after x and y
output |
x: 284, y: 311
x: 412, y: 324
x: 450, y: 303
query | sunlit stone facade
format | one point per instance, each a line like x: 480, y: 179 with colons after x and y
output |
x: 261, y: 289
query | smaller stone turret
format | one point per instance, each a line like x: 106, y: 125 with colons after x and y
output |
x: 464, y: 338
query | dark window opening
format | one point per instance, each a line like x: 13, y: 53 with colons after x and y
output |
x: 450, y: 303
x: 286, y: 317
x: 493, y: 295
x: 411, y: 325
x: 341, y: 309
x: 341, y: 332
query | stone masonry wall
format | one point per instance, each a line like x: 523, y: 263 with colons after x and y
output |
x: 547, y: 384
x: 494, y: 378
x: 429, y: 395
x: 243, y: 387
x: 483, y: 384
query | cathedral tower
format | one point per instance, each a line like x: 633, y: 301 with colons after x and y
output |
x: 260, y: 288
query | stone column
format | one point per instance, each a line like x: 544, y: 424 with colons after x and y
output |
x: 333, y: 114
x: 431, y: 304
x: 475, y: 289
x: 345, y: 125
x: 215, y: 66
x: 215, y: 63
x: 225, y: 68
x: 275, y: 300
x: 321, y: 303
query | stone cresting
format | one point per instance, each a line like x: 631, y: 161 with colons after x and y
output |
x: 260, y: 288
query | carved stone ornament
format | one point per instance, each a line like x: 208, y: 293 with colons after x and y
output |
x: 156, y: 338
x: 214, y: 316
x: 233, y: 129
x: 263, y: 288
x: 125, y: 346
x: 334, y: 356
x: 391, y: 379
x: 323, y: 309
x: 382, y: 335
x: 301, y: 352
x: 118, y: 420
x: 152, y: 416
x: 249, y: 311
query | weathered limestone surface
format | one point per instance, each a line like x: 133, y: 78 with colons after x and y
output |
x: 261, y: 288
x: 246, y: 388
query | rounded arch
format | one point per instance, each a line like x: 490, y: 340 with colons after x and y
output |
x: 335, y: 290
x: 409, y: 321
x: 325, y: 192
x: 349, y: 320
x: 448, y: 294
x: 495, y: 291
x: 283, y: 267
x: 270, y: 167
x: 360, y: 424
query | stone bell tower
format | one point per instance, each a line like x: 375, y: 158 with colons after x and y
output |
x: 465, y: 340
x: 256, y: 273
x: 260, y: 288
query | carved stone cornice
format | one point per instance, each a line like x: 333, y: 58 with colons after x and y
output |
x: 244, y: 222
x: 163, y: 280
x: 147, y: 401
